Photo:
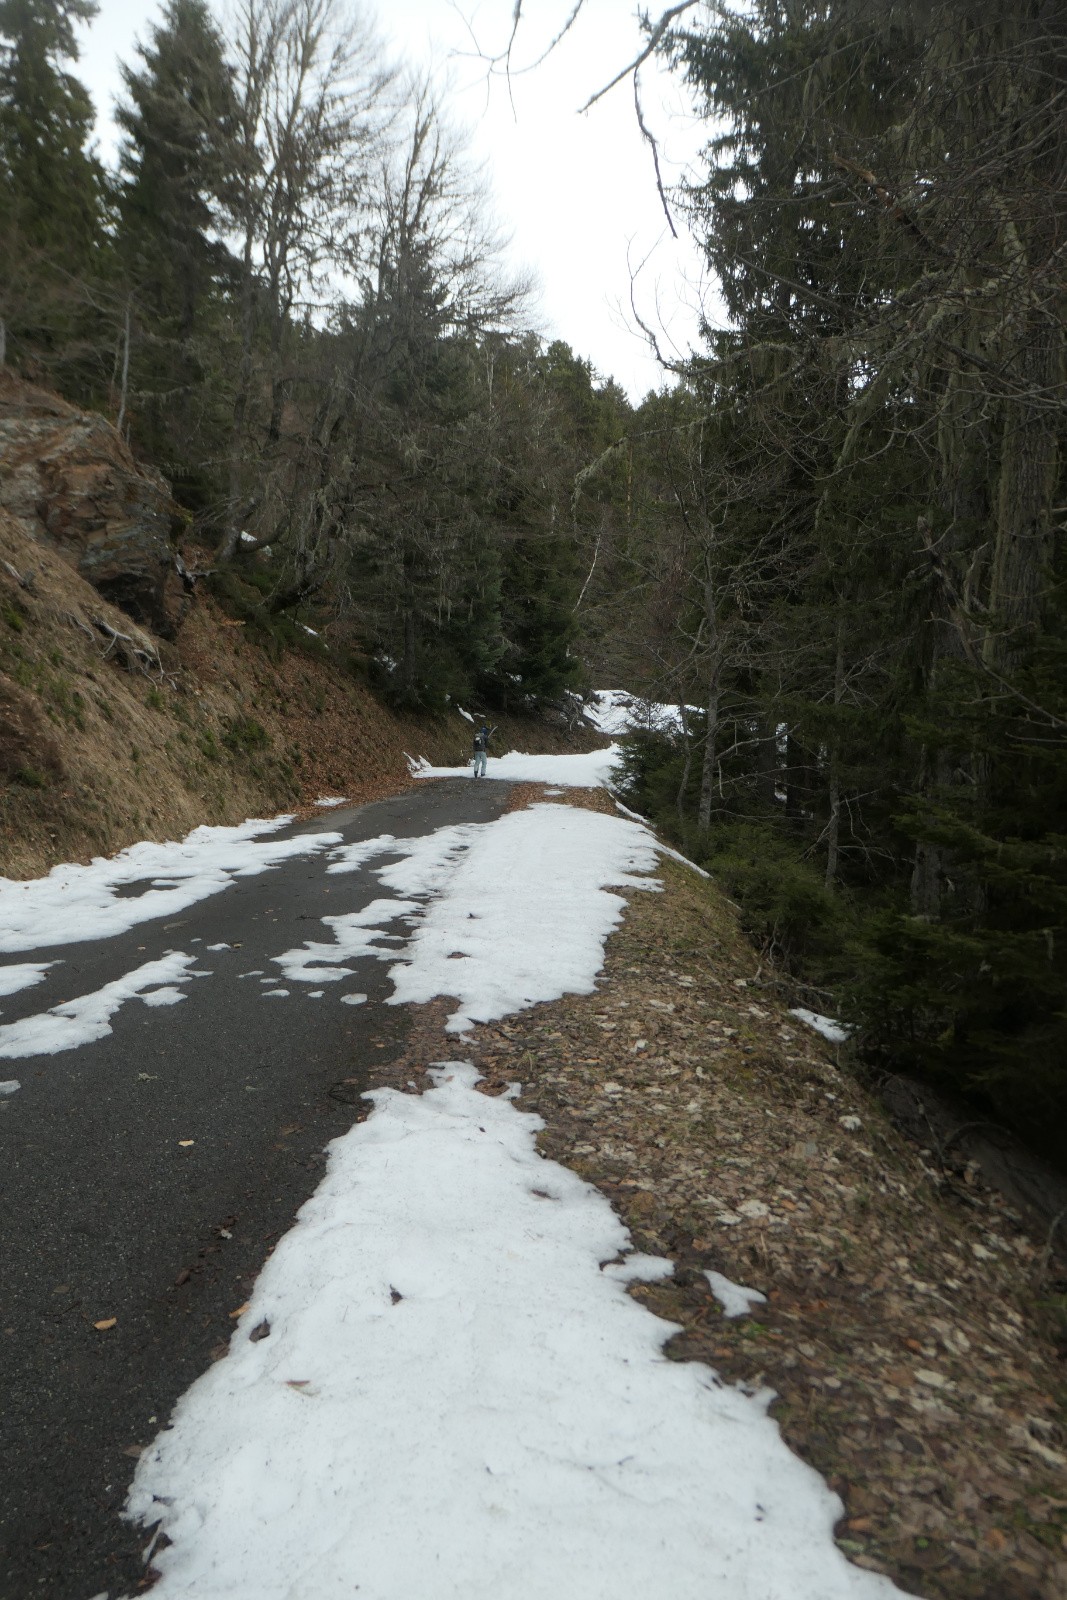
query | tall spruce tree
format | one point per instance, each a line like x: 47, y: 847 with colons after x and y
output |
x: 176, y: 171
x: 52, y: 197
x: 50, y: 183
x: 176, y: 165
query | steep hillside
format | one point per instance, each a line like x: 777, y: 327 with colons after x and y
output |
x: 110, y: 732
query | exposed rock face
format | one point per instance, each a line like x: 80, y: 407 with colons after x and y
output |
x: 69, y: 478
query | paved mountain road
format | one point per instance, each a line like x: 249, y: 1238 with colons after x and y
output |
x: 105, y: 1213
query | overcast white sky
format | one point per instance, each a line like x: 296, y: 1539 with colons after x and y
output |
x: 576, y: 193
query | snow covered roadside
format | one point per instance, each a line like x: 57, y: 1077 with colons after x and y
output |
x: 589, y: 771
x: 437, y: 1389
x: 504, y: 914
x: 613, y: 712
x: 525, y: 914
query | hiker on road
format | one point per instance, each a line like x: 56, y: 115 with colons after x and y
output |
x: 481, y: 749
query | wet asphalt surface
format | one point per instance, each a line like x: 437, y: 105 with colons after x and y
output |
x: 105, y: 1213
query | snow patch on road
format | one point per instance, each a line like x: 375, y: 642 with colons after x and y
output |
x: 80, y: 1021
x: 524, y: 912
x: 22, y: 975
x: 355, y: 933
x: 455, y: 1402
x: 350, y: 857
x: 504, y: 914
x: 75, y: 903
x: 168, y: 996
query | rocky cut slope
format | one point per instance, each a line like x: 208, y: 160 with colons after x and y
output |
x: 131, y: 705
x: 68, y: 480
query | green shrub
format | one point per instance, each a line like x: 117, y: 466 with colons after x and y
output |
x: 30, y: 778
x: 785, y: 905
x: 244, y: 735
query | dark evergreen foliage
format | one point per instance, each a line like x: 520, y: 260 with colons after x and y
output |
x: 872, y: 607
x: 50, y: 184
x: 177, y: 161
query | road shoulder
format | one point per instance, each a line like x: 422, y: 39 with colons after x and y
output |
x: 903, y: 1329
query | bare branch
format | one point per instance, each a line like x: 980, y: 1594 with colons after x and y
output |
x: 655, y: 35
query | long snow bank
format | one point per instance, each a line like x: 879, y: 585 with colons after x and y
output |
x: 437, y: 1391
x: 440, y: 1388
x: 524, y: 912
x: 502, y: 915
x: 589, y: 771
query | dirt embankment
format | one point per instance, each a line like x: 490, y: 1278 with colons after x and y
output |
x: 109, y: 734
x: 131, y: 705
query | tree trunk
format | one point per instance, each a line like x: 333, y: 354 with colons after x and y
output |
x: 688, y: 764
x: 711, y: 734
x: 833, y: 826
x: 1025, y: 493
x: 232, y: 537
x: 407, y: 665
x: 792, y: 776
x: 710, y: 763
x: 124, y: 382
x: 766, y: 760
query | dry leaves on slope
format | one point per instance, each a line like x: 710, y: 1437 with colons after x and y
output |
x: 900, y: 1330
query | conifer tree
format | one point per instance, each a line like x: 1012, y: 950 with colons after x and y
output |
x: 176, y: 165
x: 176, y: 171
x: 50, y: 183
x: 52, y: 197
x: 883, y: 432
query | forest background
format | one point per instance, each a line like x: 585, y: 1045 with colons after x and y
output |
x: 834, y: 538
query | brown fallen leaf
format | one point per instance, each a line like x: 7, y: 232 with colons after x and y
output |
x: 105, y: 1323
x: 260, y: 1331
x: 298, y: 1383
x: 241, y: 1309
x: 133, y: 1450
